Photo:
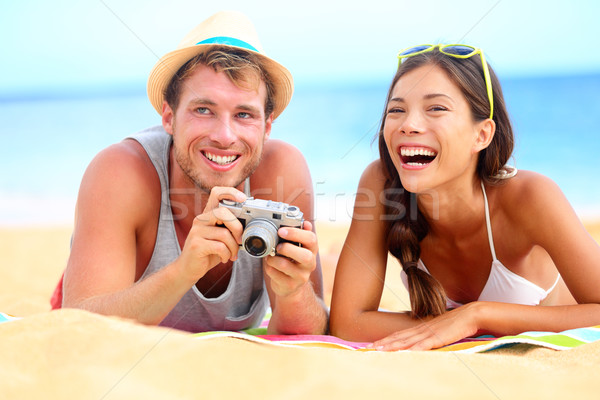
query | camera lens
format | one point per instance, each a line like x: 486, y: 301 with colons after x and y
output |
x: 260, y: 237
x: 255, y: 246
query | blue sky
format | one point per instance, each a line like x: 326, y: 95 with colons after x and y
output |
x: 48, y: 45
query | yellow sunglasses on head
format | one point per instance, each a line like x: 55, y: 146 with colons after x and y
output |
x: 456, y: 51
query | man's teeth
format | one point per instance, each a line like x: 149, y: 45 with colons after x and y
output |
x: 221, y: 160
x: 411, y: 152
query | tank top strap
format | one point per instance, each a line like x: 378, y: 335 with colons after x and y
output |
x: 488, y: 222
x: 247, y: 187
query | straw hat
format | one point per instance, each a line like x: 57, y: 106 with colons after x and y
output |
x: 227, y: 28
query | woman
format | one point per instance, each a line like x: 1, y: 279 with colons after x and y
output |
x: 484, y: 249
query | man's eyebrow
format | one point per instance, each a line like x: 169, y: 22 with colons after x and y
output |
x: 202, y: 101
x: 207, y: 102
x: 249, y: 108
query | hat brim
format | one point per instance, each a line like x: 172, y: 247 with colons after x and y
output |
x: 168, y: 65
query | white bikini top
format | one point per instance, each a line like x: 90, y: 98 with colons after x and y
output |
x: 502, y: 285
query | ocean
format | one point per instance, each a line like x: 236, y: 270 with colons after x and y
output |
x: 49, y: 140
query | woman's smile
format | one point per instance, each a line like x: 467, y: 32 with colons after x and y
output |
x: 416, y: 157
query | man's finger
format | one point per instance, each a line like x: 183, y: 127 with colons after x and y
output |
x: 219, y: 193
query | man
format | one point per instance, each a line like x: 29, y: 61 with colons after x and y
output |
x: 150, y: 242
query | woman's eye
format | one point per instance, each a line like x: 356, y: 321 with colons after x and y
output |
x: 395, y: 110
x: 438, y: 108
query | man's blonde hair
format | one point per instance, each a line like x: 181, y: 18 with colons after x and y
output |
x: 242, y: 67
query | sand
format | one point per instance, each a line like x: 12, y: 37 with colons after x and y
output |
x: 32, y: 260
x: 76, y: 354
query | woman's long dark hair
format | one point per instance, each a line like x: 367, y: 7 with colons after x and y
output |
x: 408, y: 227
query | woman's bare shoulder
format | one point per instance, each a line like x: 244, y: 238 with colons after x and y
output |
x: 525, y: 187
x: 373, y: 175
x: 529, y: 198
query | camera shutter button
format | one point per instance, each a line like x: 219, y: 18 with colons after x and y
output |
x: 293, y: 211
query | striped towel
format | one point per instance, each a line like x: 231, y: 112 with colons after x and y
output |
x: 6, y: 317
x: 558, y: 341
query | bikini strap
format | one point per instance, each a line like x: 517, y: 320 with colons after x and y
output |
x: 488, y: 222
x: 553, y: 286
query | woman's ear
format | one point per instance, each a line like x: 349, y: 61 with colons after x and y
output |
x: 485, y: 133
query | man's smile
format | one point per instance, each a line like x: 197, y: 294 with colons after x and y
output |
x: 220, y: 159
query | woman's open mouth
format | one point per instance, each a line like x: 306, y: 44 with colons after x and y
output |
x: 413, y: 156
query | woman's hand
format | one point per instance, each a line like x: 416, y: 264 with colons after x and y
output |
x: 445, y: 329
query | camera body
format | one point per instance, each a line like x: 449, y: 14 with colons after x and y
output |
x: 261, y: 220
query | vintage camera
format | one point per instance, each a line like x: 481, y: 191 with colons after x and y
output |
x: 261, y: 220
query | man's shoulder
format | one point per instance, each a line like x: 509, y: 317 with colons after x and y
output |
x: 156, y: 132
x: 121, y: 180
x: 126, y: 153
x: 281, y: 164
x: 280, y: 156
x: 278, y: 149
x: 134, y: 151
x: 125, y: 164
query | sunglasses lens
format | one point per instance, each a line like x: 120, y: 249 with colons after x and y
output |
x: 459, y: 50
x: 413, y: 50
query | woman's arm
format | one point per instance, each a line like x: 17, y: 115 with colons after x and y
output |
x: 551, y: 223
x: 360, y: 273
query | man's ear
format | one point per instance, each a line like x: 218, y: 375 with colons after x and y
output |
x: 268, y: 124
x: 167, y: 118
x: 485, y: 133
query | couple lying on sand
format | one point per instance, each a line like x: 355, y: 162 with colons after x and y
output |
x: 483, y: 249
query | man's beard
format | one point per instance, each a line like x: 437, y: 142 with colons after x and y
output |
x: 195, y: 176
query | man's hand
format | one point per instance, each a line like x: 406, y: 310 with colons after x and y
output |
x: 214, y: 238
x: 291, y: 268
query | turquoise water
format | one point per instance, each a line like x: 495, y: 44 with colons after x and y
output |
x: 50, y: 141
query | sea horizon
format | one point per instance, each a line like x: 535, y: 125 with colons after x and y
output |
x: 53, y: 136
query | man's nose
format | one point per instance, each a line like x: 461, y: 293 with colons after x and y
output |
x: 223, y: 133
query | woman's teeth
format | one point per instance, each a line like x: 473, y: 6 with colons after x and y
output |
x: 417, y: 156
x: 410, y: 152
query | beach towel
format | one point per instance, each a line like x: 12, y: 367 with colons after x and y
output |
x: 552, y: 340
x: 71, y: 353
x: 57, y: 295
x: 6, y: 317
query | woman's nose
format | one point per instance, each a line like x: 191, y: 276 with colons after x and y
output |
x: 411, y: 124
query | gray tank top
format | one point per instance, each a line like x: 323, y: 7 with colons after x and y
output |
x: 244, y: 302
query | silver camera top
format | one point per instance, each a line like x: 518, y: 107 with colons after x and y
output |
x: 287, y: 215
x: 261, y: 220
